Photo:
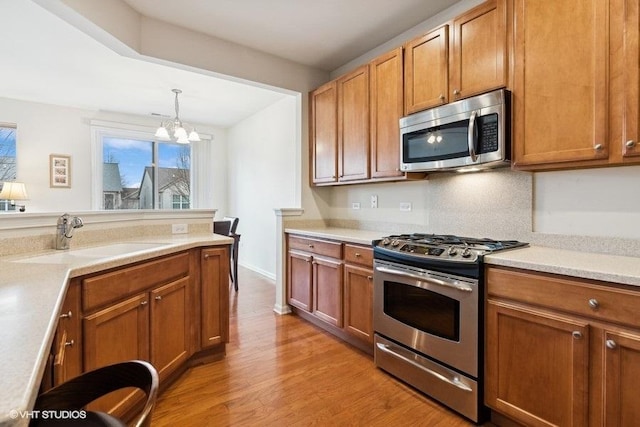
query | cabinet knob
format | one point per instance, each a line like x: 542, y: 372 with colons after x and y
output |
x: 598, y: 147
x: 69, y: 343
x: 358, y: 255
x: 67, y: 315
x: 144, y: 302
x: 370, y: 277
x: 594, y: 304
x: 577, y: 335
x: 630, y: 143
x: 206, y: 256
x: 158, y: 298
x: 456, y: 92
x: 310, y: 246
x: 441, y: 97
x: 611, y: 344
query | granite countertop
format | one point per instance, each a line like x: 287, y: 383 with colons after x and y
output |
x: 608, y: 268
x: 31, y: 296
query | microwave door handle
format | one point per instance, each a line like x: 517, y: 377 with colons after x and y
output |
x: 472, y: 136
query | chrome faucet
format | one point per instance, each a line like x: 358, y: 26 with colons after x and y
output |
x: 64, y: 230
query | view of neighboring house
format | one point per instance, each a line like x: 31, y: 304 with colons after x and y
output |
x: 173, y: 189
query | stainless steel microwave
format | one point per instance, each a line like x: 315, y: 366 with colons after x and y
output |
x: 473, y: 133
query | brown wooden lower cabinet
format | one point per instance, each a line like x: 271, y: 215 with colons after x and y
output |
x: 168, y: 311
x: 561, y: 351
x: 330, y: 284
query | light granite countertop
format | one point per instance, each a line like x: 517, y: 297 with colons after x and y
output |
x: 608, y: 268
x: 31, y: 296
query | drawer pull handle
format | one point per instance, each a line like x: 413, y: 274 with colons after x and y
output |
x: 66, y: 315
x: 69, y: 343
x: 144, y: 303
x: 577, y: 335
x: 310, y: 246
x: 159, y: 297
x: 594, y: 304
x: 358, y: 255
x: 611, y: 344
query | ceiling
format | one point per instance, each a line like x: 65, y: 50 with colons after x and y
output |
x: 323, y: 34
x: 45, y: 59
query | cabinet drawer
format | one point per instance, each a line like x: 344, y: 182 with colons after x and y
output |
x: 577, y: 296
x: 117, y: 285
x: 315, y: 246
x: 356, y: 254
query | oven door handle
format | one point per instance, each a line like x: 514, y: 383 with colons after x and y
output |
x: 472, y: 136
x: 455, y: 381
x: 455, y: 285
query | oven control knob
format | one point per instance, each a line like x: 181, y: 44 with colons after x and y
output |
x: 395, y: 242
x: 386, y: 241
x: 452, y: 251
x: 466, y: 253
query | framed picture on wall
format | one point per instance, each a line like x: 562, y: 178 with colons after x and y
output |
x: 59, y: 171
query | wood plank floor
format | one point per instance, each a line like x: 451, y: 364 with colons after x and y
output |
x: 281, y: 370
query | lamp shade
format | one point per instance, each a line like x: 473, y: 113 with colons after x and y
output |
x: 14, y: 191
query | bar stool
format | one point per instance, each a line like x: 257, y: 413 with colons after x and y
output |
x: 78, y: 392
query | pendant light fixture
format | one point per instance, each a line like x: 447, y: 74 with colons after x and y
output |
x: 175, y: 129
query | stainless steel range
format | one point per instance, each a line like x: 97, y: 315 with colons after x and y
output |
x: 428, y: 314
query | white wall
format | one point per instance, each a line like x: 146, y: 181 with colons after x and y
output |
x: 264, y: 173
x: 44, y: 129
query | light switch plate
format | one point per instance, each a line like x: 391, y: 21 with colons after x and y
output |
x: 374, y: 201
x: 405, y: 206
x: 355, y: 205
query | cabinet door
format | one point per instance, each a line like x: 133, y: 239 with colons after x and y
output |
x: 116, y: 334
x: 479, y: 50
x: 426, y: 71
x: 621, y: 377
x: 358, y: 301
x: 324, y: 134
x: 170, y: 326
x: 526, y: 351
x: 68, y: 346
x: 560, y: 85
x: 631, y: 72
x: 327, y: 290
x: 386, y: 103
x: 299, y: 290
x: 353, y: 125
x: 214, y: 296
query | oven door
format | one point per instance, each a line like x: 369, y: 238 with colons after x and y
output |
x: 432, y: 313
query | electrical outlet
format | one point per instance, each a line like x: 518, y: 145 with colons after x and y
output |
x: 179, y: 228
x: 374, y: 201
x: 355, y: 206
x: 405, y: 206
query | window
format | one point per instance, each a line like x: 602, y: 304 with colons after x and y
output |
x: 7, y: 159
x: 145, y: 174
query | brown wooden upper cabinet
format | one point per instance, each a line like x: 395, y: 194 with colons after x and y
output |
x: 354, y: 131
x: 576, y: 79
x: 458, y: 61
x: 353, y: 125
x: 560, y: 84
x: 324, y: 133
x: 386, y: 108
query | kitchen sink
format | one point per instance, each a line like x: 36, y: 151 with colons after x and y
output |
x: 79, y: 255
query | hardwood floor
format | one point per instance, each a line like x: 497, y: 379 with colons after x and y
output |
x: 281, y: 370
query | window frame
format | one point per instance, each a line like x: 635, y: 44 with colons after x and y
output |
x: 5, y: 205
x: 199, y: 177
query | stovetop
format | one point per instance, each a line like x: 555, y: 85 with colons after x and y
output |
x: 442, y: 246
